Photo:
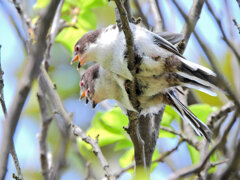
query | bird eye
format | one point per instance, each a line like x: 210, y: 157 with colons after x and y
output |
x: 76, y: 48
x: 88, y: 92
x: 81, y: 83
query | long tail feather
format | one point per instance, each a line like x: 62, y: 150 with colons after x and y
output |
x: 200, y: 128
x: 198, y: 74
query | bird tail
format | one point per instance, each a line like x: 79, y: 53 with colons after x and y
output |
x: 200, y: 128
x: 200, y: 77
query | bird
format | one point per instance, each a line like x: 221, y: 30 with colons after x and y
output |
x: 154, y: 56
x: 98, y: 84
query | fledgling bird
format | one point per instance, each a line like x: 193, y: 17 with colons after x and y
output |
x: 98, y: 84
x: 154, y: 56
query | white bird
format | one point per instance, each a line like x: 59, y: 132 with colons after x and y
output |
x: 154, y: 56
x: 98, y: 84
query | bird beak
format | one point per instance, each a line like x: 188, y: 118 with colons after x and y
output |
x: 75, y: 58
x: 94, y: 103
x: 83, y: 94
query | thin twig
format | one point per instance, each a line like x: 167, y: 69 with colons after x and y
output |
x: 55, y: 28
x: 49, y: 89
x: 96, y: 150
x: 141, y: 14
x: 195, y: 169
x: 32, y: 68
x: 210, y: 57
x: 166, y: 154
x: 133, y: 128
x: 27, y: 24
x: 160, y: 159
x: 192, y: 142
x: 158, y: 23
x: 218, y: 21
x: 221, y: 113
x: 191, y: 21
x: 12, y: 151
x: 237, y: 25
x: 238, y: 1
x: 161, y: 15
x: 46, y: 119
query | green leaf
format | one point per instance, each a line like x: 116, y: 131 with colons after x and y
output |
x: 127, y: 158
x: 69, y: 36
x: 115, y: 120
x: 174, y: 115
x: 41, y: 4
x: 166, y: 134
x: 202, y: 111
x: 123, y: 144
x: 109, y: 128
x: 167, y: 119
x: 193, y: 153
x: 93, y: 3
x: 155, y: 156
x: 87, y: 19
x: 213, y: 158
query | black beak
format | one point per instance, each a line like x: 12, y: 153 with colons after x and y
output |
x: 87, y: 100
x: 79, y: 65
x: 93, y: 104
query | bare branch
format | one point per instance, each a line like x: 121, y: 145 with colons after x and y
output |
x: 49, y: 89
x: 158, y: 23
x: 192, y: 142
x: 210, y: 57
x: 46, y: 120
x: 221, y: 113
x: 195, y: 169
x: 133, y: 128
x: 160, y: 159
x: 191, y: 21
x: 141, y: 14
x: 161, y: 15
x: 166, y: 154
x: 96, y: 150
x: 237, y: 25
x: 12, y: 151
x: 218, y: 21
x: 27, y: 24
x: 55, y: 28
x: 238, y: 1
x: 31, y: 71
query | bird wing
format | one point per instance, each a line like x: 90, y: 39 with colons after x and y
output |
x: 173, y: 38
x: 200, y: 128
x: 163, y: 43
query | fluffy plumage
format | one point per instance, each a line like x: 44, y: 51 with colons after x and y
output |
x: 101, y: 84
x: 153, y: 54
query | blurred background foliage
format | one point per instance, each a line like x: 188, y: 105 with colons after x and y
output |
x: 106, y: 122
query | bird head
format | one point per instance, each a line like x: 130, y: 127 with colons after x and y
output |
x: 89, y: 85
x: 84, y: 48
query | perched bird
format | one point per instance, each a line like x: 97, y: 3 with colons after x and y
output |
x: 98, y: 84
x: 154, y: 56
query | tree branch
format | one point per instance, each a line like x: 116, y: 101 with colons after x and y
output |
x: 195, y: 169
x: 237, y: 25
x: 218, y: 21
x: 49, y: 89
x: 96, y: 150
x: 46, y: 120
x: 31, y: 71
x: 141, y: 14
x: 158, y: 22
x: 191, y: 21
x: 133, y: 127
x: 12, y: 151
